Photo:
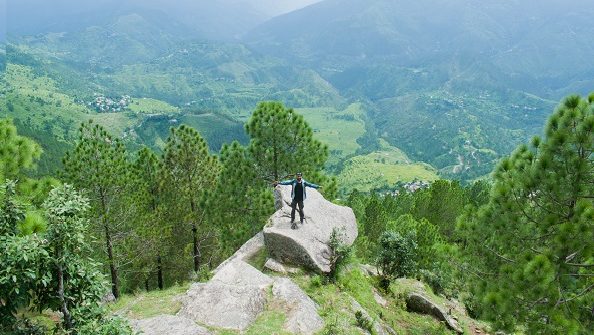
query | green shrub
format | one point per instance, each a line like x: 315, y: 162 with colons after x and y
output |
x: 397, y: 255
x: 316, y: 281
x: 338, y: 254
x: 425, y: 234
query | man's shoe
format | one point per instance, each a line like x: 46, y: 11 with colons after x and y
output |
x: 293, y: 225
x: 301, y: 221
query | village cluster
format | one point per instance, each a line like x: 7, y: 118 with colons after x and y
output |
x: 103, y: 104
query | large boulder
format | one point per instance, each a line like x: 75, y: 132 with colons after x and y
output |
x: 222, y: 305
x: 168, y: 325
x: 307, y: 245
x: 232, y: 299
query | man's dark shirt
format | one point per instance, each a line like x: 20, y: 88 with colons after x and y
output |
x: 298, y: 192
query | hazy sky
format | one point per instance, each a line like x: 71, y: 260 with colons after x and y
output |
x: 2, y: 20
x: 33, y: 16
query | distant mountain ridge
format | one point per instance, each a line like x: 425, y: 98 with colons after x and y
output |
x: 211, y: 19
x: 530, y: 44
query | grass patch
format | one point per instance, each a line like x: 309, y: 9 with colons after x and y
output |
x: 147, y: 304
x: 268, y: 322
x: 259, y: 259
x: 152, y: 106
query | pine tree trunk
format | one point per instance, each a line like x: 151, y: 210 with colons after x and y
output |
x: 115, y: 287
x: 63, y: 304
x: 159, y: 273
x: 146, y: 284
x: 195, y: 250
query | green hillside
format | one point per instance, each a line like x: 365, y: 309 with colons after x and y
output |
x: 339, y: 129
x: 382, y: 169
x: 45, y: 113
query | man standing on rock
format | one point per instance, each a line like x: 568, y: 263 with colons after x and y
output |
x: 298, y: 194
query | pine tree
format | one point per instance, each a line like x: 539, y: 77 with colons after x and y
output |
x: 441, y: 204
x: 153, y: 230
x: 16, y: 152
x: 533, y: 243
x: 98, y: 165
x: 282, y: 143
x: 241, y: 202
x: 190, y: 172
x: 375, y: 218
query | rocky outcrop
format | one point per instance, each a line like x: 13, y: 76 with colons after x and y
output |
x: 301, y: 311
x: 306, y: 245
x: 419, y: 303
x: 168, y: 325
x: 238, y: 292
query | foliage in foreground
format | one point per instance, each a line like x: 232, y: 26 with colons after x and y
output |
x: 533, y: 243
x: 52, y: 271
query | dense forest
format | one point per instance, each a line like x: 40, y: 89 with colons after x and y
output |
x: 516, y: 248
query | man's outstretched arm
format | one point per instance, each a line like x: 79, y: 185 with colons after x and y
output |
x: 286, y: 182
x: 308, y: 184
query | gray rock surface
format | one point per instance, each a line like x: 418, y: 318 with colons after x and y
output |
x: 222, y: 305
x: 419, y: 303
x: 232, y: 299
x: 168, y: 325
x: 273, y: 265
x: 246, y: 251
x: 302, y: 312
x: 238, y: 272
x: 306, y: 246
x: 378, y: 327
x: 379, y: 299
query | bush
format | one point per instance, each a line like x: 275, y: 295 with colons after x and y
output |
x: 316, y: 281
x: 338, y: 254
x: 424, y: 233
x: 397, y: 255
x: 95, y: 320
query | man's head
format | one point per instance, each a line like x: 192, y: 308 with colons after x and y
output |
x: 298, y: 176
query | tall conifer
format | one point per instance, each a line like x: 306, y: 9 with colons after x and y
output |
x: 190, y: 172
x: 98, y: 165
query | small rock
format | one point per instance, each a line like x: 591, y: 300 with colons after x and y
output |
x: 275, y: 266
x: 108, y: 297
x: 168, y: 325
x: 246, y: 251
x: 379, y: 299
x: 421, y: 304
x: 370, y: 270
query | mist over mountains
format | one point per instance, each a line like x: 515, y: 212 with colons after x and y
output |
x: 456, y: 84
x: 218, y: 19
